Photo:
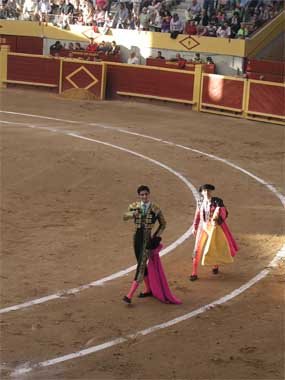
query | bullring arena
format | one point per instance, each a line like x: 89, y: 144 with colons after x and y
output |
x: 69, y: 170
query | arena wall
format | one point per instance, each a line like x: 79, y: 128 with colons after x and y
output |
x: 204, y: 92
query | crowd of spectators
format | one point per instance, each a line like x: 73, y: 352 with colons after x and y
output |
x: 93, y: 48
x: 229, y: 18
x: 182, y: 61
x: 213, y: 18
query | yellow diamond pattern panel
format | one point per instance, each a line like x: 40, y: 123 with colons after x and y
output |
x: 189, y: 43
x: 93, y: 79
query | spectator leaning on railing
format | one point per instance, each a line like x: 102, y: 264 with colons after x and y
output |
x: 215, y: 18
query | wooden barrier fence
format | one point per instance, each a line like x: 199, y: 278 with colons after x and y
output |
x: 238, y: 97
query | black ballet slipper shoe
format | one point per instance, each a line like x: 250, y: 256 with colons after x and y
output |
x: 215, y: 270
x: 193, y: 277
x: 143, y: 295
x: 127, y: 300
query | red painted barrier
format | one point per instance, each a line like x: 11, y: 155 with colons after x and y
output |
x: 9, y: 40
x: 224, y: 92
x: 29, y: 45
x: 23, y: 44
x: 33, y: 69
x: 270, y: 67
x: 266, y: 99
x: 207, y: 68
x: 267, y: 77
x: 82, y: 75
x: 272, y: 71
x: 155, y: 62
x: 149, y: 82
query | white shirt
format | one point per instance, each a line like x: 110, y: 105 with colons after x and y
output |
x: 133, y: 61
x: 146, y: 206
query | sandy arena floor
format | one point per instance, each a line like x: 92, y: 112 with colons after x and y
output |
x: 63, y: 196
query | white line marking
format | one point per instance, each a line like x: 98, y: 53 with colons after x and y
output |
x: 23, y: 369
x: 121, y: 273
x: 279, y: 256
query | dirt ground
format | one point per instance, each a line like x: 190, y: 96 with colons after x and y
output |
x: 62, y: 200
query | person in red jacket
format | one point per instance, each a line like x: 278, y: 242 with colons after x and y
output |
x: 190, y: 28
x: 92, y: 47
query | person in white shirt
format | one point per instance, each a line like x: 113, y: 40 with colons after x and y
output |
x: 133, y: 59
x: 224, y: 31
x: 136, y: 7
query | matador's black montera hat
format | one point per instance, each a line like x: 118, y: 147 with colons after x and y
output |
x: 207, y: 186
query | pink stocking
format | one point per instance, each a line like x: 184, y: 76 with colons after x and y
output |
x: 133, y: 289
x: 195, y: 266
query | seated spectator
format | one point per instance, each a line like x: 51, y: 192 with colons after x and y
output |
x: 181, y: 62
x: 242, y: 32
x: 209, y: 61
x: 92, y: 47
x: 220, y: 17
x: 114, y: 48
x: 133, y: 59
x: 102, y: 47
x: 197, y: 58
x: 202, y: 30
x: 159, y: 55
x: 212, y: 30
x: 228, y: 30
x: 165, y: 25
x: 55, y: 48
x: 190, y: 28
x: 204, y: 19
x: 224, y: 31
x: 235, y: 23
x: 78, y: 46
x: 95, y: 27
x: 176, y: 26
x: 70, y: 46
x: 78, y: 20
